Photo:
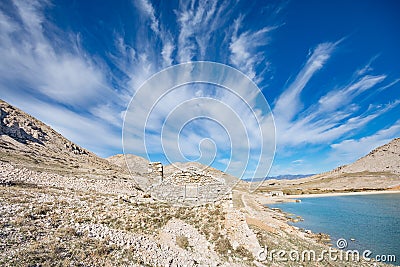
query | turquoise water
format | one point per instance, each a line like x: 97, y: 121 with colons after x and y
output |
x: 372, y: 220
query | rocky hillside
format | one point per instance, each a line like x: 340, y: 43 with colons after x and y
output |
x: 30, y: 143
x: 385, y: 158
x: 379, y: 170
x: 137, y: 165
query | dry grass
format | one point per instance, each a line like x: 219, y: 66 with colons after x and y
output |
x: 42, y: 228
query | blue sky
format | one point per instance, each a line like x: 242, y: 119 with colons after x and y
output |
x: 329, y: 69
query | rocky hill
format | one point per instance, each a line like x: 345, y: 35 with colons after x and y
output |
x: 137, y: 165
x: 379, y: 170
x: 384, y: 159
x: 30, y: 143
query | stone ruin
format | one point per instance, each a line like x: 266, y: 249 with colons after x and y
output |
x: 155, y: 172
x: 187, y: 186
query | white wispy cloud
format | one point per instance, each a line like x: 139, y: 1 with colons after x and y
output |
x: 146, y: 7
x: 191, y: 112
x: 367, y: 68
x: 198, y: 20
x: 42, y: 74
x: 288, y: 104
x: 166, y: 53
x: 140, y: 59
x: 335, y: 116
x: 326, y: 130
x: 244, y: 48
x: 388, y: 85
x: 137, y: 66
x: 30, y: 58
x: 338, y: 98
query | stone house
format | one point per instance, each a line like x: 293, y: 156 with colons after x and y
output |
x: 275, y: 194
x: 188, y: 185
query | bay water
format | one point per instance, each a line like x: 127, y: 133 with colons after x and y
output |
x: 366, y: 222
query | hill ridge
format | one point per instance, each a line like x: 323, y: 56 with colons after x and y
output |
x: 385, y: 158
x: 28, y: 142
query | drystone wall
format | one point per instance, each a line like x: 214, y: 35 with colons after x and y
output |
x: 186, y: 186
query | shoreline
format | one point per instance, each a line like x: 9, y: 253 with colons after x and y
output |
x: 378, y: 192
x: 265, y: 200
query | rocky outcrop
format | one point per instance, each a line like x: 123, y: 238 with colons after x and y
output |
x: 28, y: 131
x: 25, y: 129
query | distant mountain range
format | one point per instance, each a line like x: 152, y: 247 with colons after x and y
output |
x: 279, y: 177
x: 289, y: 176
